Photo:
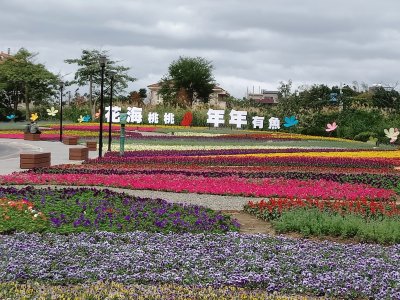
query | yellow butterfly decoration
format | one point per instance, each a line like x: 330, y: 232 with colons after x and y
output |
x: 52, y: 111
x: 34, y: 117
x: 80, y: 120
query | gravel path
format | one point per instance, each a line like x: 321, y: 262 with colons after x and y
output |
x: 215, y: 202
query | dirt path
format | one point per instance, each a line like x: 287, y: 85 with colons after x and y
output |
x: 250, y: 224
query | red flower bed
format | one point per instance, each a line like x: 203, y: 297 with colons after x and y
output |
x: 273, y: 208
x: 231, y: 185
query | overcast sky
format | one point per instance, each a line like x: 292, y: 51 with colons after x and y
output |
x: 255, y: 43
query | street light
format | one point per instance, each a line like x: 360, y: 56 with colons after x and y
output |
x: 112, y: 74
x: 61, y: 107
x: 102, y: 61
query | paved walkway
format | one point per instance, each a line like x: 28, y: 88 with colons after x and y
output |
x: 10, y: 150
x: 9, y: 163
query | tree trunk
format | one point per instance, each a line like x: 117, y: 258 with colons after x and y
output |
x: 91, y: 106
x: 15, y: 106
x: 27, y: 112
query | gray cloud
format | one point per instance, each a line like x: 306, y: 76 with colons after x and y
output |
x: 253, y: 43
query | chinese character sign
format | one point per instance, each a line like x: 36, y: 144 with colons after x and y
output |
x: 116, y: 110
x: 134, y: 115
x: 238, y: 118
x: 258, y: 122
x: 274, y: 123
x: 169, y: 118
x: 215, y: 117
x: 152, y: 118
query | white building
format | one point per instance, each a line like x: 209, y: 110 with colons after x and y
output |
x: 265, y: 96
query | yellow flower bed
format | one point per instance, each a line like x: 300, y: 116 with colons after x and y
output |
x: 202, y: 134
x: 355, y: 154
x: 139, y: 147
x: 74, y: 132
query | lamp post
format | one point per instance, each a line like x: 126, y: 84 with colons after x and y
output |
x: 112, y: 74
x: 102, y: 61
x: 61, y: 107
x: 122, y: 118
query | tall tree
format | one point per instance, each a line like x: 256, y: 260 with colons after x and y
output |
x: 26, y: 80
x: 188, y: 80
x: 315, y: 97
x: 89, y: 72
x: 288, y: 102
x: 383, y: 98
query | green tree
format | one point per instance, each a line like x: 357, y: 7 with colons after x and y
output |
x: 288, y: 102
x: 89, y: 72
x: 315, y: 97
x: 23, y: 79
x: 143, y: 93
x: 383, y: 98
x: 188, y: 80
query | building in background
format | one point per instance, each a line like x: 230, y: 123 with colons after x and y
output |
x: 264, y: 96
x: 4, y: 56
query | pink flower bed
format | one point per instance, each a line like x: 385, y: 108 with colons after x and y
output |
x: 232, y: 185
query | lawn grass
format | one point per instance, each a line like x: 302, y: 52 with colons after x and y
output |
x: 313, y: 222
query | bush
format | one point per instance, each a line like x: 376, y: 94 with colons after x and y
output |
x: 313, y: 222
x: 364, y: 136
x: 72, y: 112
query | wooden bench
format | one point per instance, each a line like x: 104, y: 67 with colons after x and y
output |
x: 81, y: 153
x: 32, y: 136
x: 32, y: 160
x: 92, y: 146
x: 70, y: 140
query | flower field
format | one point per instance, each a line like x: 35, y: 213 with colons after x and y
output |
x: 84, y: 240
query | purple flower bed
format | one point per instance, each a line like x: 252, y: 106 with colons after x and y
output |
x: 275, y: 264
x: 82, y: 209
x: 248, y: 161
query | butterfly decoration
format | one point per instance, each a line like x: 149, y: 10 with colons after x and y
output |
x: 86, y: 118
x: 372, y: 140
x: 11, y: 117
x: 331, y: 127
x: 290, y: 121
x: 392, y: 134
x: 34, y: 117
x: 187, y: 119
x: 52, y: 111
x: 80, y: 119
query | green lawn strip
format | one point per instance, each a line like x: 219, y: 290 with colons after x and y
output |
x: 313, y: 222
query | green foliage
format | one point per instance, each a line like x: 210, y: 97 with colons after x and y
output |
x: 365, y: 136
x: 382, y: 98
x: 23, y: 79
x: 352, y: 122
x: 313, y: 222
x: 315, y: 98
x: 73, y: 112
x: 89, y: 69
x: 143, y: 93
x: 89, y: 72
x: 188, y: 79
